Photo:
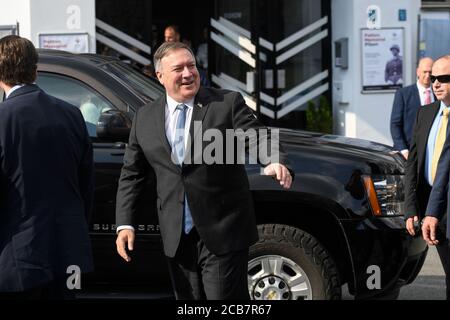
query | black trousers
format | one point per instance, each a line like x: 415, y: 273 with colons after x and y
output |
x: 198, y: 274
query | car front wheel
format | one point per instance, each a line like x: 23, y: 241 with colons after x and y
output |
x: 290, y: 264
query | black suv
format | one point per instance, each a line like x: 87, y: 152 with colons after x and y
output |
x: 341, y: 222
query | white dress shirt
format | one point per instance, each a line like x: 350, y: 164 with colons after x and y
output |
x: 17, y: 86
x: 432, y: 135
x: 422, y: 93
x: 171, y: 119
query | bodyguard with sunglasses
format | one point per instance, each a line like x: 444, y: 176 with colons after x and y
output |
x: 436, y: 216
x: 426, y: 144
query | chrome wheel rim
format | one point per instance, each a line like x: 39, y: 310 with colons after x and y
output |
x: 274, y: 277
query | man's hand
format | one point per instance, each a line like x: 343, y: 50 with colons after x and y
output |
x: 125, y: 237
x: 429, y: 226
x: 410, y: 225
x: 279, y: 172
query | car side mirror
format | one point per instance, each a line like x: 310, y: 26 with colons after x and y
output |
x: 114, y: 125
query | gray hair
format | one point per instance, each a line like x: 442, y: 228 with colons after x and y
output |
x: 165, y: 49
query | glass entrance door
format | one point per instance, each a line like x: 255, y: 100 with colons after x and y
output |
x: 233, y: 49
x: 275, y: 52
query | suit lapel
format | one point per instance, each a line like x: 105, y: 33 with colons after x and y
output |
x: 201, y: 104
x: 200, y: 108
x: 159, y: 121
x: 429, y: 113
x: 416, y: 96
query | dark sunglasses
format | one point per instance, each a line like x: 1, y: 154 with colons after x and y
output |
x: 442, y: 79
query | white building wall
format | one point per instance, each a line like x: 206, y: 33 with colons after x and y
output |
x: 367, y: 115
x: 13, y: 12
x: 50, y: 17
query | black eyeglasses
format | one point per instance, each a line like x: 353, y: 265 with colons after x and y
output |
x: 445, y: 78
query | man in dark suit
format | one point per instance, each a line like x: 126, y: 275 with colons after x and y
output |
x: 433, y: 225
x: 429, y: 131
x: 205, y: 208
x: 406, y: 103
x: 46, y: 175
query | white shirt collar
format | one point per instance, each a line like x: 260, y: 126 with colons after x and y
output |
x: 17, y: 86
x: 422, y: 88
x: 172, y: 104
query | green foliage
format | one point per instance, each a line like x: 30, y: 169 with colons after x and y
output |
x: 319, y: 118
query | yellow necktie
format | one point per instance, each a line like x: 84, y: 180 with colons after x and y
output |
x: 439, y: 143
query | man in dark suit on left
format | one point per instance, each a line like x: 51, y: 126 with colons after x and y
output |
x: 46, y: 182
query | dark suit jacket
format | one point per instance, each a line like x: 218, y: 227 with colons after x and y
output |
x: 404, y: 110
x: 218, y: 194
x: 45, y: 189
x: 417, y: 187
x: 440, y: 196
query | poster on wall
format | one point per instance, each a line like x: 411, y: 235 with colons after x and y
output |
x: 382, y: 59
x: 72, y: 42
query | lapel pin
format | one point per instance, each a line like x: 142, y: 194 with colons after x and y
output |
x: 200, y: 105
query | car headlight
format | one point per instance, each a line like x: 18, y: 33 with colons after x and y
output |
x: 386, y: 194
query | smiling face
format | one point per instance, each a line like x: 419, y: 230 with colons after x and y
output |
x: 442, y: 90
x: 179, y: 75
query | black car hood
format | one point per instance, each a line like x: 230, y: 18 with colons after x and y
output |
x: 364, y: 150
x: 357, y: 143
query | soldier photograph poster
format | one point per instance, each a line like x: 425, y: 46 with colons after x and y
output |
x: 382, y: 59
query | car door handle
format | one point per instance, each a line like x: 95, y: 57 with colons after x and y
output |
x: 121, y: 146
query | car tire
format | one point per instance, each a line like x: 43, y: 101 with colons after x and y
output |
x: 290, y: 264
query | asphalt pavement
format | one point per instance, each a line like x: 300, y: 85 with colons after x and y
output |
x: 430, y: 283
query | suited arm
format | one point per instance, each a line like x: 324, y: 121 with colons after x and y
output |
x: 86, y: 174
x: 437, y: 203
x: 398, y: 137
x: 1, y: 174
x: 411, y: 175
x: 132, y: 179
x: 245, y: 119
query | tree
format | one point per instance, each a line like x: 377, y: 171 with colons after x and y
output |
x: 319, y: 118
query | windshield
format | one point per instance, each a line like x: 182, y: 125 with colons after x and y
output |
x: 146, y: 88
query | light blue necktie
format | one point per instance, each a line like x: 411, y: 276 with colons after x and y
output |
x: 178, y: 150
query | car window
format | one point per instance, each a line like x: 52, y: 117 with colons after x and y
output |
x: 148, y: 89
x: 73, y: 91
